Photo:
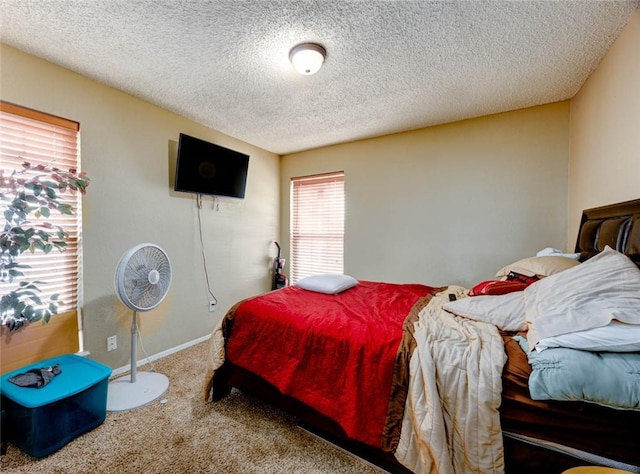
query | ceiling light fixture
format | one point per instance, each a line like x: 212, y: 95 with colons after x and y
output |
x: 307, y: 58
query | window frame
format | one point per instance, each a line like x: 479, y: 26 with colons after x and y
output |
x: 58, y: 137
x: 317, y: 207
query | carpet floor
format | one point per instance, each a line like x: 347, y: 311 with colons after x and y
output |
x: 238, y: 434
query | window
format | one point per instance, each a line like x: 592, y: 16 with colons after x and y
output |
x: 317, y: 225
x: 28, y: 135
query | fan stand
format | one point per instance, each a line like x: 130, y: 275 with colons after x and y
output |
x: 138, y: 389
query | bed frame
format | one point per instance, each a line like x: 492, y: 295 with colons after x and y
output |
x: 616, y: 225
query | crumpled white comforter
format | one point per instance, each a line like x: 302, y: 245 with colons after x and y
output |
x: 451, y: 422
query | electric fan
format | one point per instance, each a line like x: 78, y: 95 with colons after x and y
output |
x: 142, y: 280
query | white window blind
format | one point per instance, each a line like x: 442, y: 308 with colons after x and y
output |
x: 317, y: 225
x: 28, y: 135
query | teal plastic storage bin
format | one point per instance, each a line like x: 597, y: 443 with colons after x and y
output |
x: 42, y: 420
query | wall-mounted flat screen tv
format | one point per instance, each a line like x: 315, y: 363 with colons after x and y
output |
x: 206, y: 168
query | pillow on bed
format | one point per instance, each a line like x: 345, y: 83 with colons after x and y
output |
x: 328, y: 283
x: 614, y: 337
x: 587, y: 296
x: 539, y: 266
x: 504, y: 311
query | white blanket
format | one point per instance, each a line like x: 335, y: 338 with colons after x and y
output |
x: 451, y: 422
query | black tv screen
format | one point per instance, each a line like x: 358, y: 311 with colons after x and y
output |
x: 207, y: 168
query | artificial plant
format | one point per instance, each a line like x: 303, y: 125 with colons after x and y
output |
x: 32, y: 193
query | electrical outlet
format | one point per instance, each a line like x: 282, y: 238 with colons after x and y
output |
x: 212, y: 306
x: 112, y: 343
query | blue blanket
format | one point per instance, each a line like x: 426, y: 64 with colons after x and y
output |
x: 611, y: 379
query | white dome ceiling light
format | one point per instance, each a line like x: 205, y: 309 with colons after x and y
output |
x: 307, y: 58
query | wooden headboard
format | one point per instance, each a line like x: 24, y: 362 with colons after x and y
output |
x: 615, y: 225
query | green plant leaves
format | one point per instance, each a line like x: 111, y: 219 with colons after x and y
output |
x: 45, y: 212
x: 32, y: 194
x: 65, y: 208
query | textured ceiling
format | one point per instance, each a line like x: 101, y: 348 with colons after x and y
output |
x: 391, y: 65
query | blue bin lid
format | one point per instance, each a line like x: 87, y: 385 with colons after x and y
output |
x: 78, y: 374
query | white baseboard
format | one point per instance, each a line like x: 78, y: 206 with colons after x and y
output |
x: 159, y: 355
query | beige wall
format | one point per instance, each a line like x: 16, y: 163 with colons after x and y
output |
x: 604, y: 166
x: 128, y: 149
x: 448, y: 204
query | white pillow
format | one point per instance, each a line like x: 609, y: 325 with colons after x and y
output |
x: 504, y: 311
x: 328, y: 283
x: 586, y: 296
x: 539, y: 266
x: 550, y: 251
x: 614, y: 337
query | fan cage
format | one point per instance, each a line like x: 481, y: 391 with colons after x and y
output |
x: 143, y: 277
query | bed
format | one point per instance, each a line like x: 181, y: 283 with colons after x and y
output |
x: 404, y: 377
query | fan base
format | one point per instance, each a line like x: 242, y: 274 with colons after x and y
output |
x: 126, y: 395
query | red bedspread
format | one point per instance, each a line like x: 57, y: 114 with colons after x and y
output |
x: 335, y: 353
